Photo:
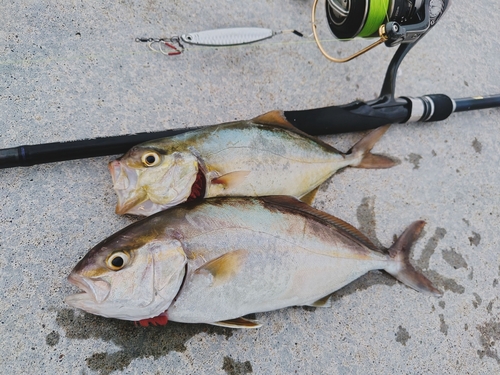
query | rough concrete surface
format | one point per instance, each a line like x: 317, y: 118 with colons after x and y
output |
x: 71, y: 70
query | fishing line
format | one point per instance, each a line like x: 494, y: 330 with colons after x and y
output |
x: 227, y: 37
x: 44, y: 60
x: 377, y: 13
x: 236, y: 37
x: 347, y: 19
x: 169, y: 45
x: 405, y: 22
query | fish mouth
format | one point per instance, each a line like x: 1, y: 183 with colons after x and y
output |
x: 123, y: 176
x: 124, y: 183
x: 91, y: 291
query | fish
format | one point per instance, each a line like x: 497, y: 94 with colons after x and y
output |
x: 217, y: 260
x: 260, y: 157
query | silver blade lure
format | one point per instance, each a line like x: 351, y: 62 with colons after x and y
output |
x: 212, y: 38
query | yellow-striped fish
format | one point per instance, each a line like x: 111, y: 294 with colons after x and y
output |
x: 263, y: 156
x: 220, y: 259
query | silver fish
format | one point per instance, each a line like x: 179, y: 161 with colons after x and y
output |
x: 263, y: 156
x: 223, y: 258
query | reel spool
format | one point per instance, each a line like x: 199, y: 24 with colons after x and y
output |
x: 393, y: 21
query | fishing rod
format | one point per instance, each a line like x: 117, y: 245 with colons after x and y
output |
x: 355, y: 116
x: 396, y: 22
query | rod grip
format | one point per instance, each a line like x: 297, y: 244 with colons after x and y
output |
x: 428, y: 108
x: 443, y: 107
x: 356, y: 116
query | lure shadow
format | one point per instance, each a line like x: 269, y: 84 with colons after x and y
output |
x: 135, y: 342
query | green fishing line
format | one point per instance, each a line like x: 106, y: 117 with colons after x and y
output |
x: 377, y: 11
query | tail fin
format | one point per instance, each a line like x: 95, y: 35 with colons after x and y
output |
x: 363, y: 148
x: 401, y: 268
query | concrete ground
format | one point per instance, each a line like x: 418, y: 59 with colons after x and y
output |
x: 71, y: 70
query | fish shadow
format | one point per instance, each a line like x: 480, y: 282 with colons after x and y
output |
x: 157, y: 341
x: 134, y: 341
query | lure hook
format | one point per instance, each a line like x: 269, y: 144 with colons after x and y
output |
x: 175, y: 50
x: 173, y: 44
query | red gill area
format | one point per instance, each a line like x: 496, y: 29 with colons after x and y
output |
x: 199, y: 186
x: 160, y: 320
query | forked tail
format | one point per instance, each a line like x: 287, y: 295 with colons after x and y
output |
x: 361, y: 151
x: 401, y: 268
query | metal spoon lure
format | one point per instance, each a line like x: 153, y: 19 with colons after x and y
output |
x: 212, y: 38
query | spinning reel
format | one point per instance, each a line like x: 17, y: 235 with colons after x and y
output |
x: 395, y: 22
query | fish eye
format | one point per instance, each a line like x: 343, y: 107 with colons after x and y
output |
x: 150, y: 159
x: 117, y: 261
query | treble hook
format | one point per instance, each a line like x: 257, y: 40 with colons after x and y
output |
x: 170, y: 43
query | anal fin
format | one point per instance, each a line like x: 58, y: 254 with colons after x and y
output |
x: 322, y: 302
x: 238, y: 323
x: 309, y: 197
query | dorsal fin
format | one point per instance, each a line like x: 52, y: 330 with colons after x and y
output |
x: 346, y: 228
x: 277, y: 118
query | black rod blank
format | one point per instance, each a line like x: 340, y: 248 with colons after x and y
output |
x: 28, y: 155
x: 351, y: 117
x: 478, y: 102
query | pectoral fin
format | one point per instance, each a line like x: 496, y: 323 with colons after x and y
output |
x: 238, y: 323
x: 231, y: 179
x: 309, y: 197
x: 224, y: 267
